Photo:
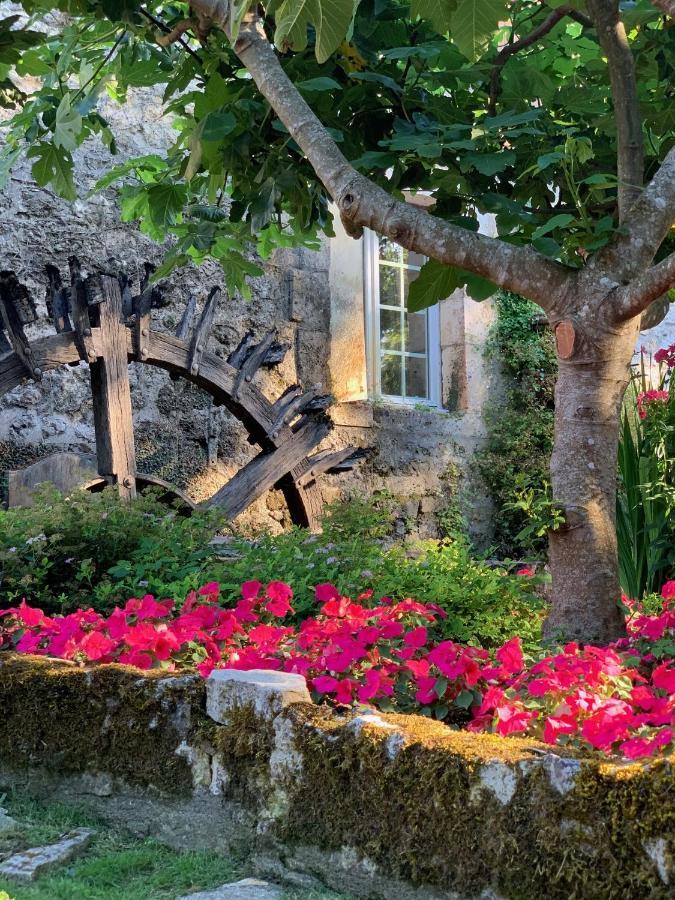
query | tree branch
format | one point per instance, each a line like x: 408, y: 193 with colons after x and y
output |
x: 643, y: 290
x: 630, y: 152
x: 165, y: 28
x: 666, y: 6
x: 646, y: 225
x: 507, y: 51
x: 362, y: 203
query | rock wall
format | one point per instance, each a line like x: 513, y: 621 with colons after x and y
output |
x: 377, y: 805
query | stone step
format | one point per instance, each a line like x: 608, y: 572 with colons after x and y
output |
x: 31, y: 864
x: 247, y: 889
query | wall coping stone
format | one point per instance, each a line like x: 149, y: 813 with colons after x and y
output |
x: 268, y: 692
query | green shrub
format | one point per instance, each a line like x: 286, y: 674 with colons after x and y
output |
x: 93, y: 550
x: 645, y: 511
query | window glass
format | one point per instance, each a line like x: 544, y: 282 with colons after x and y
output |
x: 402, y: 336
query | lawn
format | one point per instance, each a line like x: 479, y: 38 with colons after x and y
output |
x: 117, y: 865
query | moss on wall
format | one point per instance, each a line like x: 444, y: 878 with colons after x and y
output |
x: 108, y: 718
x: 422, y: 803
x: 425, y: 813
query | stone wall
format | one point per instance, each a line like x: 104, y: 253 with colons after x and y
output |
x: 381, y: 806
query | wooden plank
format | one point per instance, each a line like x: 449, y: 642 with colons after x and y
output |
x: 327, y: 460
x: 187, y: 319
x: 266, y: 469
x: 79, y: 307
x: 217, y: 377
x: 111, y: 394
x: 58, y: 300
x: 48, y: 352
x: 13, y: 296
x: 253, y: 361
x: 142, y: 323
x: 201, y: 334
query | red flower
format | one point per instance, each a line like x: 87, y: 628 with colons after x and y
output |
x: 510, y: 655
x: 325, y: 592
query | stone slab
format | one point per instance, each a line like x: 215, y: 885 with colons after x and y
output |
x: 66, y: 471
x: 7, y: 823
x: 31, y: 864
x: 267, y: 691
x: 247, y: 889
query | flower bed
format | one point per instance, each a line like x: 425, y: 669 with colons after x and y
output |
x: 618, y: 699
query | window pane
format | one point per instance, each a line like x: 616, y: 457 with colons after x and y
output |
x: 415, y: 376
x: 416, y: 332
x: 391, y: 374
x: 409, y: 275
x: 390, y: 286
x: 390, y: 251
x: 390, y: 329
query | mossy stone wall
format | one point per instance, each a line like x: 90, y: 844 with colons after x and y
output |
x: 379, y: 805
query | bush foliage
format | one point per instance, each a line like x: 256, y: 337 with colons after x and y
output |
x: 94, y: 551
x: 515, y: 460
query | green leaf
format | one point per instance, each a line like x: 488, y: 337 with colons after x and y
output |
x: 217, y: 125
x: 165, y: 202
x: 53, y: 166
x: 474, y: 22
x: 435, y: 282
x: 464, y: 699
x: 490, y: 163
x: 323, y: 83
x: 438, y: 12
x: 559, y: 221
x: 67, y: 126
x: 477, y: 287
x: 331, y: 20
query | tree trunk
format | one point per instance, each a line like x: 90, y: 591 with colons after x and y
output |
x: 593, y: 375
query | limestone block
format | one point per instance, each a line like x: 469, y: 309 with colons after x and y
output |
x: 268, y: 692
x: 33, y: 863
x: 247, y: 889
x: 7, y: 823
x: 66, y: 471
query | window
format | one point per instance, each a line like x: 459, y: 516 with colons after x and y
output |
x: 403, y: 347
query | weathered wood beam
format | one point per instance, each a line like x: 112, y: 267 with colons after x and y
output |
x: 113, y: 421
x: 266, y: 469
x: 331, y: 461
x: 58, y: 300
x: 187, y: 319
x: 79, y: 306
x: 253, y: 361
x: 202, y: 332
x: 14, y: 303
x: 142, y: 310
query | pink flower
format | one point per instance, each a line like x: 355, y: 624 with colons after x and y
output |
x: 526, y: 571
x: 556, y: 725
x: 663, y: 677
x: 325, y: 592
x: 250, y: 590
x: 512, y: 720
x: 668, y: 589
x: 647, y: 397
x: 510, y: 655
x: 278, y: 599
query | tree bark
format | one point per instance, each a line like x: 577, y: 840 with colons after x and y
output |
x: 593, y: 372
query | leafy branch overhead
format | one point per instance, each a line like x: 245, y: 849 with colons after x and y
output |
x: 407, y: 91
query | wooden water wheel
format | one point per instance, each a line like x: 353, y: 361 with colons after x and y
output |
x: 98, y: 321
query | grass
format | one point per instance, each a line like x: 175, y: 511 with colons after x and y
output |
x: 117, y: 865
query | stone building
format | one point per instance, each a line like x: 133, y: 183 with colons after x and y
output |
x: 411, y: 387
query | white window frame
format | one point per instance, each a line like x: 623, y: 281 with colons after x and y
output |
x: 371, y: 259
